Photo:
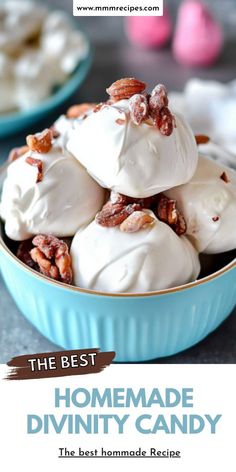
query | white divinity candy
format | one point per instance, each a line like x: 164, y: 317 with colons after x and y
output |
x: 153, y: 258
x: 208, y: 204
x: 19, y: 21
x: 135, y: 160
x: 39, y: 50
x: 210, y: 108
x: 66, y: 198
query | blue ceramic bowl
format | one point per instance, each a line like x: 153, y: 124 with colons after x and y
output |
x: 15, y: 122
x: 137, y: 327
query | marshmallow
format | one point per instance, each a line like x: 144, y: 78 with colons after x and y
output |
x: 136, y: 160
x: 208, y: 204
x: 153, y: 258
x: 66, y: 198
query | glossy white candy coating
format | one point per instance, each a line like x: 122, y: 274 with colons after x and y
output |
x: 153, y: 258
x: 137, y: 161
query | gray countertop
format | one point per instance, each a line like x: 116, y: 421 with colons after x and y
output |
x: 114, y: 58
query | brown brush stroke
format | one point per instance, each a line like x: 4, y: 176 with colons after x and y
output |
x: 20, y: 369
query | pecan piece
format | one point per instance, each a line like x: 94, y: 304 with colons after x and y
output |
x: 52, y: 256
x: 138, y: 107
x: 76, y: 111
x: 158, y: 100
x: 225, y: 177
x: 45, y: 266
x: 119, y: 121
x: 136, y: 221
x: 168, y: 212
x: 114, y: 214
x: 147, y: 202
x: 100, y: 106
x: 36, y: 163
x: 40, y: 142
x: 17, y: 152
x: 124, y: 200
x: 116, y: 197
x: 125, y: 88
x: 165, y: 121
x: 201, y: 139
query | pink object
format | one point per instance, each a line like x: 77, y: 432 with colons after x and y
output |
x: 198, y: 38
x: 149, y: 31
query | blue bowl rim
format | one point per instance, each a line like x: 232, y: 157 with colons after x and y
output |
x: 45, y: 279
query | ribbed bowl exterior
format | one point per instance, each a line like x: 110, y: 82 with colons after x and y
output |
x: 136, y: 328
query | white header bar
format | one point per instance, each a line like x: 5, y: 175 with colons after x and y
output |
x: 117, y: 7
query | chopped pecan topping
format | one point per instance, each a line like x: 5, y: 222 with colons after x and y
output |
x: 119, y: 207
x: 147, y: 202
x: 159, y: 111
x: 52, y: 256
x: 17, y: 152
x: 40, y: 142
x: 99, y: 106
x: 125, y: 88
x: 168, y: 212
x: 136, y: 221
x: 116, y: 197
x: 202, y: 139
x: 142, y: 106
x: 45, y: 266
x: 138, y: 106
x: 119, y: 121
x: 225, y: 177
x: 36, y: 163
x: 76, y: 111
x: 158, y: 100
x: 215, y: 218
x: 114, y: 214
x: 124, y: 200
x: 165, y: 121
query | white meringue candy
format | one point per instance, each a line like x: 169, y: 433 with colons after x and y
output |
x: 7, y: 85
x: 64, y: 126
x: 218, y: 153
x: 210, y: 108
x: 196, y: 103
x: 63, y: 48
x: 7, y: 95
x: 19, y: 21
x: 56, y: 49
x: 6, y: 66
x: 56, y: 20
x: 136, y: 160
x: 66, y: 198
x: 34, y: 80
x: 153, y: 258
x: 208, y: 204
